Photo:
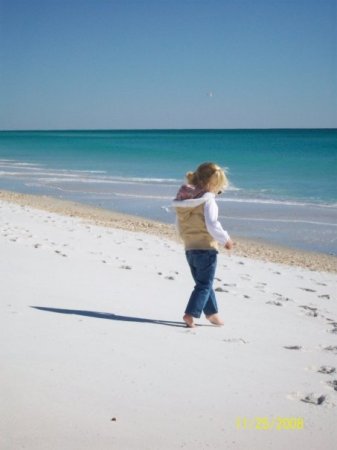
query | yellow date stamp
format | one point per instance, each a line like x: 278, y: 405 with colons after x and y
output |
x: 269, y: 423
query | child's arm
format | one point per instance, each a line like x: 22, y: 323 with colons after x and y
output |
x: 213, y: 225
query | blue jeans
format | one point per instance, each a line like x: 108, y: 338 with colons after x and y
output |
x: 202, y: 264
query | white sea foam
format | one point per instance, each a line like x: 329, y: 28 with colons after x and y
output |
x: 73, y: 191
x: 22, y: 169
x: 107, y: 180
x: 36, y: 171
x: 60, y: 178
x: 277, y: 202
x: 287, y: 221
x: 83, y: 171
x: 20, y: 164
x: 232, y: 188
x: 7, y: 163
x: 145, y: 196
x: 76, y: 176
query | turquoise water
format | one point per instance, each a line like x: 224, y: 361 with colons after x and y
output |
x: 282, y: 182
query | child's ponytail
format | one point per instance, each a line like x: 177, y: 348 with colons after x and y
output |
x: 208, y: 174
x: 192, y: 178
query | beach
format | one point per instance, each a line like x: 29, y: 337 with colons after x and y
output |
x: 95, y: 353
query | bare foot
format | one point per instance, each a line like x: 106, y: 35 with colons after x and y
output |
x: 189, y: 321
x: 215, y: 320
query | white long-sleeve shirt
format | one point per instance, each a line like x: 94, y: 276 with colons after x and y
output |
x: 213, y: 225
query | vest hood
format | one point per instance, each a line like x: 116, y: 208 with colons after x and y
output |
x: 190, y: 196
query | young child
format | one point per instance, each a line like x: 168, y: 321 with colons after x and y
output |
x: 198, y: 225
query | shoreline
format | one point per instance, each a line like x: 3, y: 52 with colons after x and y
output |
x: 259, y: 250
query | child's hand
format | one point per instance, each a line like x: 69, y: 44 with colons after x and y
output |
x: 229, y: 245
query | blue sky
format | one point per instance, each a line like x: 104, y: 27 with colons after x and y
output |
x: 120, y: 64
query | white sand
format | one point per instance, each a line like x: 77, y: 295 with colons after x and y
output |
x: 99, y: 351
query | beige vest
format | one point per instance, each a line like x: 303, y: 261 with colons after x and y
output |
x: 192, y: 229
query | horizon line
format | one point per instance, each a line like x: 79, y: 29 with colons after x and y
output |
x: 165, y: 129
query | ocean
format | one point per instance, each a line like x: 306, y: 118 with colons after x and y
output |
x: 283, y: 186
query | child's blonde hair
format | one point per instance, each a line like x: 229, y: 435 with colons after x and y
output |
x: 208, y: 176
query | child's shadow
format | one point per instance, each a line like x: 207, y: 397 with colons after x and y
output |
x: 101, y: 315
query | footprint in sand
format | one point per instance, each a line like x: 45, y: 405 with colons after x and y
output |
x: 274, y: 302
x: 220, y: 289
x: 311, y: 398
x: 332, y: 384
x: 312, y: 312
x: 332, y: 330
x: 315, y: 399
x: 319, y: 283
x: 331, y: 348
x: 246, y: 277
x: 307, y: 289
x: 327, y: 370
x: 236, y: 340
x: 281, y: 298
x: 61, y: 254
